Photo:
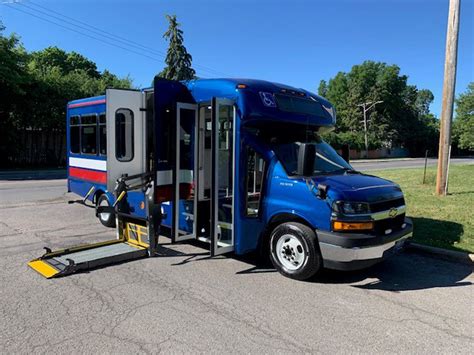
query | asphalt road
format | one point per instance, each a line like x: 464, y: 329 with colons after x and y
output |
x: 403, y: 163
x: 184, y: 302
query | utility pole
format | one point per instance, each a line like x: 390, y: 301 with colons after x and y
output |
x: 365, y: 109
x: 449, y: 84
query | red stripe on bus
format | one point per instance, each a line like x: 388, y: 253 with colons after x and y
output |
x: 90, y: 175
x: 87, y: 103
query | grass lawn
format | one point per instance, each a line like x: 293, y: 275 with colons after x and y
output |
x: 446, y: 222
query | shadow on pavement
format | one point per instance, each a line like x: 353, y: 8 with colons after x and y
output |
x: 437, y: 232
x: 406, y: 271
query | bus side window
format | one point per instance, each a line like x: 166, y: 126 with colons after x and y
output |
x: 89, y: 134
x: 102, y: 135
x: 254, y: 182
x: 74, y: 134
x: 124, y: 134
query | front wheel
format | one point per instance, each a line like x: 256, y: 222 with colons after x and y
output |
x: 107, y: 219
x: 294, y: 251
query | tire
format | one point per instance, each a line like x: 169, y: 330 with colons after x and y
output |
x: 294, y: 251
x: 107, y: 219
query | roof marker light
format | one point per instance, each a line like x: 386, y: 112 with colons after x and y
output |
x: 241, y: 86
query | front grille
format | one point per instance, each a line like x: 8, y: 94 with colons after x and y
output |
x: 389, y: 223
x: 386, y: 205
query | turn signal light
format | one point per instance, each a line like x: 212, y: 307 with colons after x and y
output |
x: 352, y: 226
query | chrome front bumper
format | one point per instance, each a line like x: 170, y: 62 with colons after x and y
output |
x: 341, y: 254
x: 359, y: 251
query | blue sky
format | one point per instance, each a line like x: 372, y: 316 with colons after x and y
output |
x: 296, y: 42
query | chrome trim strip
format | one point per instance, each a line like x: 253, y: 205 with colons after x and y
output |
x: 377, y: 216
x: 340, y: 254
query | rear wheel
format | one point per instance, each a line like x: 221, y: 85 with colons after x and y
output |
x: 294, y: 251
x: 107, y: 219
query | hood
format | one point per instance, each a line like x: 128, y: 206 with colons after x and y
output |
x: 361, y: 188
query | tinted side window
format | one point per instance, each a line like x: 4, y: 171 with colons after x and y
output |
x: 102, y: 135
x: 254, y: 182
x: 74, y: 134
x: 89, y: 134
x: 124, y: 134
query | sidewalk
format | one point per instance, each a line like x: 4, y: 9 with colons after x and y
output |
x: 39, y: 174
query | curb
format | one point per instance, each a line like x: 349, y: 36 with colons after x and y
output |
x: 39, y: 174
x: 452, y: 255
x: 377, y: 160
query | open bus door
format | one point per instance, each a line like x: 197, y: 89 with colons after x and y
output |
x: 175, y: 118
x: 185, y: 172
x: 222, y: 176
x: 204, y: 209
x: 126, y: 134
x: 195, y: 165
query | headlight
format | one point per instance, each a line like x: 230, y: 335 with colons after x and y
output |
x: 351, y: 207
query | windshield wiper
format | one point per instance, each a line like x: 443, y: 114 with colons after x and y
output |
x: 351, y: 171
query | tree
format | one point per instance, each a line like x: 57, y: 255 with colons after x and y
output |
x: 13, y: 78
x: 424, y: 99
x: 178, y: 60
x: 322, y: 88
x: 35, y: 88
x: 463, y: 127
x: 54, y: 57
x: 56, y: 77
x: 403, y: 119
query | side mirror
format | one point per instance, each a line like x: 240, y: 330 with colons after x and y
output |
x: 306, y: 158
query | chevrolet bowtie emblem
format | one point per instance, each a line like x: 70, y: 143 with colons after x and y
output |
x: 393, y: 212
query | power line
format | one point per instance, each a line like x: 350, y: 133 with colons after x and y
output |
x: 96, y: 28
x: 96, y: 31
x: 120, y: 38
x: 126, y: 42
x: 84, y: 34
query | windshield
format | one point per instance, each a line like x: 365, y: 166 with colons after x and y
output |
x: 327, y: 160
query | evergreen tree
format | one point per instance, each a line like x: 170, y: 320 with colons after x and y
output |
x: 178, y: 60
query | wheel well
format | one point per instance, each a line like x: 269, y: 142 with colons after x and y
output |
x: 97, y: 195
x: 274, y: 221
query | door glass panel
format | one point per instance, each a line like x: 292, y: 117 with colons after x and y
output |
x: 185, y: 178
x: 205, y: 155
x: 124, y: 134
x: 224, y: 177
x: 254, y: 182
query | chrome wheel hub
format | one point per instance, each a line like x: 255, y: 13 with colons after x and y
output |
x: 290, y: 252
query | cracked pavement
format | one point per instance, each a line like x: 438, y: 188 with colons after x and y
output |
x: 184, y: 301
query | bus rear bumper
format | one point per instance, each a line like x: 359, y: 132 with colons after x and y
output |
x: 358, y: 251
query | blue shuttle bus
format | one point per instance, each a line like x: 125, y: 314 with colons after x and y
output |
x: 238, y: 164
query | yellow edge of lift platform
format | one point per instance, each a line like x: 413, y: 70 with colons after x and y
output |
x: 43, y: 268
x: 132, y: 245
